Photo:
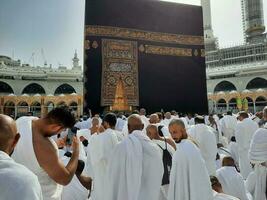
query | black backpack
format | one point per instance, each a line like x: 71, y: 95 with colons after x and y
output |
x: 167, y: 164
x: 160, y: 130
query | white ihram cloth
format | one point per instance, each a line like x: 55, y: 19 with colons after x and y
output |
x: 206, y: 141
x: 74, y: 190
x: 164, y: 188
x: 189, y: 179
x: 222, y: 196
x: 185, y: 122
x: 256, y: 182
x: 16, y: 181
x: 25, y: 155
x: 228, y: 125
x: 166, y: 122
x: 233, y: 148
x: 86, y: 133
x: 120, y: 124
x: 101, y: 147
x: 84, y: 124
x: 136, y: 170
x: 144, y: 120
x: 232, y: 182
x: 243, y: 134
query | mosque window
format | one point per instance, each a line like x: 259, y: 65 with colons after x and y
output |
x: 224, y: 86
x: 5, y: 88
x: 33, y: 88
x: 257, y: 83
x: 65, y: 89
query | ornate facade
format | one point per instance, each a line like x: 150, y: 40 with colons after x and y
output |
x: 237, y: 76
x: 24, y: 88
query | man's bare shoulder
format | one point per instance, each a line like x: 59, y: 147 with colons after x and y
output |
x: 45, y: 150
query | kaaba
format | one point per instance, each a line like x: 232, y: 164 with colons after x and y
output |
x: 144, y: 53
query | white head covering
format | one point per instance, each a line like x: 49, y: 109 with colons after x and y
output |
x: 258, y: 155
x: 258, y: 147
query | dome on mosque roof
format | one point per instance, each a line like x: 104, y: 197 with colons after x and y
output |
x: 260, y: 90
x: 246, y: 91
x: 221, y: 93
x: 233, y: 92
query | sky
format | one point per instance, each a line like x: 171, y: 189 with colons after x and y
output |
x: 37, y: 30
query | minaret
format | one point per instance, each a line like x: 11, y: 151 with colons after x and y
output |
x: 210, y: 40
x: 253, y: 21
x: 75, y: 61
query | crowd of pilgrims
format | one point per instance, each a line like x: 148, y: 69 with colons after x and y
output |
x: 162, y: 156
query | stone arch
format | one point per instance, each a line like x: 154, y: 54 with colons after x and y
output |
x: 224, y: 86
x: 257, y: 83
x: 221, y: 105
x: 48, y: 107
x: 232, y: 104
x: 22, y: 108
x: 5, y: 88
x: 35, y: 108
x: 260, y: 103
x: 74, y: 108
x: 64, y: 89
x: 9, y: 108
x: 61, y: 103
x: 250, y: 104
x: 33, y: 88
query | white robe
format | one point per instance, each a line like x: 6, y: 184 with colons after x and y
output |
x: 191, y: 121
x: 222, y: 196
x: 243, y: 133
x: 144, y: 120
x: 74, y: 190
x: 256, y: 181
x: 232, y: 182
x: 136, y: 169
x: 16, y: 181
x: 120, y: 124
x: 25, y: 155
x: 166, y: 122
x: 120, y: 135
x: 228, y: 125
x: 206, y: 141
x: 101, y: 147
x: 84, y: 124
x: 189, y: 179
x: 233, y: 148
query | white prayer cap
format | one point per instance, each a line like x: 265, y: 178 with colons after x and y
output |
x: 258, y: 147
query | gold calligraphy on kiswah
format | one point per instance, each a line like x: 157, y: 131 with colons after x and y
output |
x: 127, y: 33
x: 168, y: 51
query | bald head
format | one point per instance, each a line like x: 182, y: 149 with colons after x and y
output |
x: 154, y: 118
x: 135, y: 123
x: 228, y: 161
x: 152, y: 131
x: 168, y: 115
x: 8, y: 134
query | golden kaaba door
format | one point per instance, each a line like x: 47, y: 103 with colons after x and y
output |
x: 119, y: 74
